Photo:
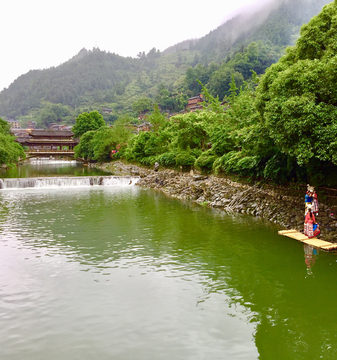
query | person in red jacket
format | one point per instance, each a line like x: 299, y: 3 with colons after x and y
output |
x: 311, y: 229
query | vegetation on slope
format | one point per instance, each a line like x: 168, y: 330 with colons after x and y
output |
x: 95, y: 79
x: 285, y: 130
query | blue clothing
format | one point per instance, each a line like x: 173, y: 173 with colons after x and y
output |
x: 308, y: 199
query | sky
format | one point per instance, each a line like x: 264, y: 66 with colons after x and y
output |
x: 39, y: 34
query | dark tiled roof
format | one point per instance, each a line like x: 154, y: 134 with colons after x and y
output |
x: 52, y: 133
x: 196, y: 97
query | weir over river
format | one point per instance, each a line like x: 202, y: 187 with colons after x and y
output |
x: 113, y: 271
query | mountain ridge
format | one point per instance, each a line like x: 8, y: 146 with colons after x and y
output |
x: 94, y: 78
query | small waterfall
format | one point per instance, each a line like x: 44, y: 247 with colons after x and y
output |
x: 55, y: 182
x: 50, y: 161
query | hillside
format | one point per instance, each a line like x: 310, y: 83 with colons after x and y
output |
x: 94, y: 78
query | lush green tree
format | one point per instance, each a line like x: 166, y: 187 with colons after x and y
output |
x: 142, y: 104
x: 53, y: 113
x: 219, y: 84
x: 4, y: 127
x: 84, y: 149
x: 86, y: 122
x: 97, y: 144
x: 297, y: 97
x: 10, y: 151
x: 156, y: 118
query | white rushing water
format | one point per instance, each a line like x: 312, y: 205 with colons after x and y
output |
x: 50, y: 161
x: 54, y: 182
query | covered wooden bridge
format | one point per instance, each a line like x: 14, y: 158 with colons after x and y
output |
x: 49, y: 143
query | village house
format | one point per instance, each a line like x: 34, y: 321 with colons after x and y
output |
x: 144, y: 126
x: 21, y: 134
x: 61, y: 127
x: 225, y: 105
x: 14, y: 124
x: 143, y: 115
x: 106, y: 111
x: 195, y: 103
x: 31, y: 124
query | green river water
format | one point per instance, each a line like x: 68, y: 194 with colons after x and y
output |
x: 119, y: 272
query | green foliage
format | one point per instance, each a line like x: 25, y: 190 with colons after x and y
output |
x: 84, y: 149
x: 189, y: 131
x: 4, y: 127
x: 10, y: 151
x: 86, y: 122
x: 141, y: 105
x: 185, y: 158
x: 53, y: 113
x: 167, y: 159
x: 219, y: 83
x: 143, y: 145
x: 205, y: 160
x: 297, y: 97
x: 156, y: 118
x: 97, y: 144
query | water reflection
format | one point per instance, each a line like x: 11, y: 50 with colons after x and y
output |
x: 51, y: 168
x: 310, y: 255
x: 220, y: 270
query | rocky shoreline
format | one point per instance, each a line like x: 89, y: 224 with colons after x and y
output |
x: 271, y: 203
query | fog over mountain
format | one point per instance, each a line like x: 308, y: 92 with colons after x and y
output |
x: 250, y: 40
x: 40, y: 39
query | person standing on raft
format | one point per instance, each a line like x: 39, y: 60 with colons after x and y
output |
x: 311, y: 229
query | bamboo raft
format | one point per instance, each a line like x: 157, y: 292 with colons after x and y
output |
x: 321, y: 244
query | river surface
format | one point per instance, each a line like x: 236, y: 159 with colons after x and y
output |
x: 50, y: 168
x: 119, y: 272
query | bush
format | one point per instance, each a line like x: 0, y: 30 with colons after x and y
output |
x: 206, y: 160
x: 167, y: 159
x: 185, y: 158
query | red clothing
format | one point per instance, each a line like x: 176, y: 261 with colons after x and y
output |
x: 308, y: 219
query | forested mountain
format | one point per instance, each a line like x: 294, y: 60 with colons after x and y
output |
x: 278, y: 22
x: 94, y: 78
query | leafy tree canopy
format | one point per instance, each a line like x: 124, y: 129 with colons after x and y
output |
x: 10, y: 151
x: 141, y: 105
x: 297, y: 97
x: 86, y: 122
x: 4, y: 127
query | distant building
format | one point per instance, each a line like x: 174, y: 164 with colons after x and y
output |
x: 144, y: 126
x: 143, y: 115
x: 31, y: 124
x: 58, y: 127
x: 14, y: 124
x: 106, y: 111
x: 195, y: 103
x: 66, y: 127
x: 225, y: 104
x: 22, y: 134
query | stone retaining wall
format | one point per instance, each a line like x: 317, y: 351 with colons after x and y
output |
x: 270, y: 203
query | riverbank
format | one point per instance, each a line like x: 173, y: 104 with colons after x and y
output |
x: 276, y: 205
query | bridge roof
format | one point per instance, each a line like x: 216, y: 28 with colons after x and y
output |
x: 51, y: 141
x: 51, y: 133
